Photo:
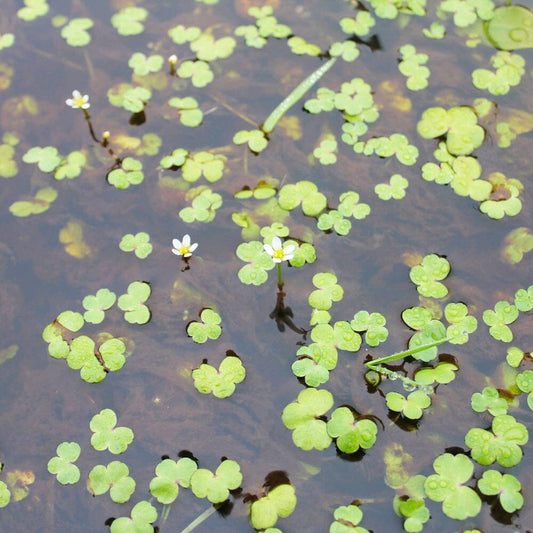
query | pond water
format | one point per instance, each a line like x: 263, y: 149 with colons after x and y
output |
x: 55, y: 252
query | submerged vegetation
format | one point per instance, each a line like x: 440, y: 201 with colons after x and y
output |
x: 362, y: 105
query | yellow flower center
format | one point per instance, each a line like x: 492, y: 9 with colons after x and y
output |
x: 279, y: 254
x: 185, y: 250
x: 78, y: 101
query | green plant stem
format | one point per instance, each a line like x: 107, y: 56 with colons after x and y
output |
x: 405, y: 353
x: 280, y: 277
x: 199, y: 519
x: 295, y: 95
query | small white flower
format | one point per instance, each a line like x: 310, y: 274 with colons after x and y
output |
x: 184, y: 247
x: 78, y: 101
x: 173, y: 59
x: 278, y: 251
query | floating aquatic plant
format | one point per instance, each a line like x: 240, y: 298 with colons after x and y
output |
x: 505, y: 486
x: 412, y: 67
x: 448, y: 486
x: 133, y: 303
x: 489, y: 400
x: 34, y: 205
x: 498, y: 319
x: 395, y: 189
x: 279, y: 502
x: 170, y: 476
x: 138, y: 243
x: 75, y: 32
x: 129, y: 20
x: 347, y: 518
x: 411, y: 407
x: 216, y: 486
x: 204, y: 203
x: 509, y: 71
x: 510, y: 27
x: 208, y: 328
x: 143, y: 515
x: 106, y: 435
x: 502, y: 445
x: 97, y: 304
x: 220, y: 382
x: 304, y: 418
x: 129, y: 173
x: 113, y: 477
x: 351, y: 433
x: 62, y: 466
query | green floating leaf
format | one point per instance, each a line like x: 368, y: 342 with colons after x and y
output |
x: 62, y: 466
x: 313, y: 372
x: 441, y: 373
x: 75, y: 32
x: 504, y: 313
x: 374, y: 326
x: 128, y: 21
x: 211, y: 166
x: 334, y: 220
x: 255, y: 139
x: 447, y: 486
x: 255, y: 272
x: 415, y: 512
x: 71, y: 320
x: 170, y: 476
x: 203, y: 207
x: 113, y: 477
x: 215, y: 487
x: 346, y: 519
x: 5, y: 495
x: 395, y: 189
x: 502, y: 445
x: 207, y: 329
x: 36, y: 205
x: 412, y: 67
x: 220, y: 382
x: 133, y: 303
x: 33, y: 9
x: 489, y: 400
x: 303, y: 415
x: 106, y: 435
x: 505, y: 486
x: 459, y: 124
x: 8, y: 166
x: 97, y: 304
x: 428, y: 274
x: 511, y: 28
x: 351, y: 434
x: 305, y: 193
x: 411, y: 407
x: 278, y: 503
x: 327, y: 291
x: 47, y: 158
x: 461, y: 323
x: 188, y: 110
x: 199, y: 72
x: 138, y: 243
x: 130, y: 173
x: 466, y: 13
x: 71, y: 167
x: 143, y: 65
x: 207, y: 48
x: 143, y: 515
x: 135, y: 99
x: 523, y: 299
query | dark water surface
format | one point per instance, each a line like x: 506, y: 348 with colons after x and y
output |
x: 43, y: 402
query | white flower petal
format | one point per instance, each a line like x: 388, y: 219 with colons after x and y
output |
x: 176, y: 243
x: 186, y: 240
x: 277, y: 260
x: 193, y: 246
x: 76, y: 94
x: 276, y: 243
x: 177, y: 252
x: 288, y: 257
x: 268, y: 249
x: 289, y: 249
